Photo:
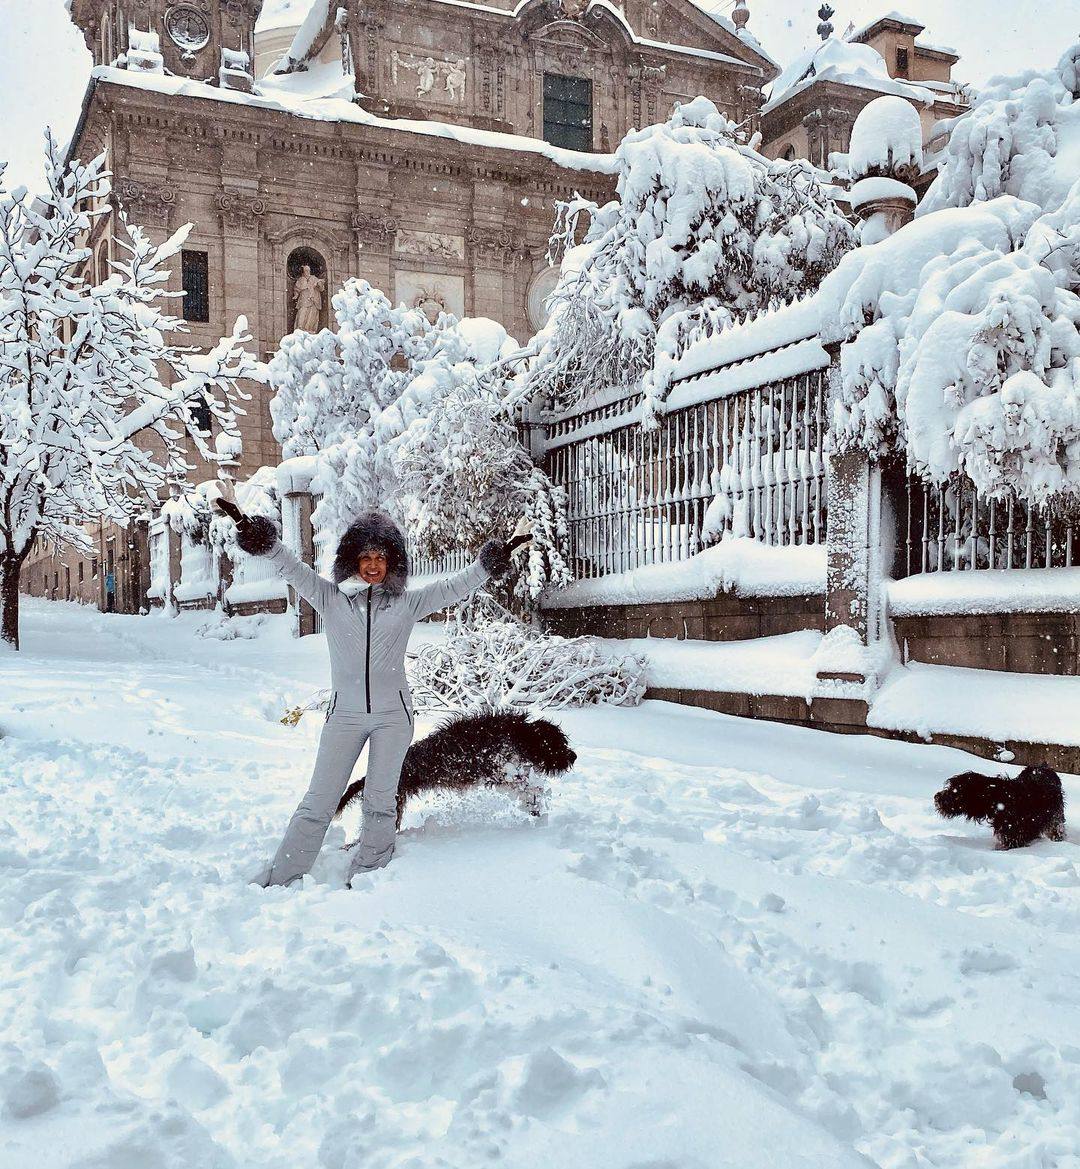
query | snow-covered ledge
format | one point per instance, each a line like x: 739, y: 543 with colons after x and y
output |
x: 737, y: 565
x: 986, y: 590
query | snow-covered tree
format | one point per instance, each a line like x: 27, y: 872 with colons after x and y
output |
x: 89, y: 372
x: 416, y: 419
x: 328, y: 384
x: 963, y: 328
x: 704, y: 230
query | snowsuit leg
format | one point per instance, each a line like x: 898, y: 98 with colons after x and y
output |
x: 342, y: 739
x: 391, y: 735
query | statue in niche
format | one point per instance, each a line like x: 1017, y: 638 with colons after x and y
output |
x: 308, y: 295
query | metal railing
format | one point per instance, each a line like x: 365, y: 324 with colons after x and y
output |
x: 421, y: 564
x: 751, y: 463
x: 951, y: 527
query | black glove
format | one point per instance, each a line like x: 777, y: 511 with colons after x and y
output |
x: 495, y: 554
x: 256, y: 535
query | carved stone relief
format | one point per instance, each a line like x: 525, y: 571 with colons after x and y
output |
x: 239, y: 209
x: 432, y: 292
x: 439, y: 80
x: 430, y: 243
x: 373, y: 231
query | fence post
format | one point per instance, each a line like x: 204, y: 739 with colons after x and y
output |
x: 297, y: 531
x: 856, y: 564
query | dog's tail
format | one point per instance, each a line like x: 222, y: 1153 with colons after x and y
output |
x: 352, y: 792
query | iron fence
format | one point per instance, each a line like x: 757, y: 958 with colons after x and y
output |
x: 751, y: 463
x: 951, y: 527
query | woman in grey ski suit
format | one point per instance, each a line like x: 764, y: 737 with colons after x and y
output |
x: 367, y: 628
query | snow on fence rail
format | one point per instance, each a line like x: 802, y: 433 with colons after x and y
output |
x: 748, y: 462
x: 950, y: 527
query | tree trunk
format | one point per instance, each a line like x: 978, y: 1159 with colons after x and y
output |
x: 10, y: 568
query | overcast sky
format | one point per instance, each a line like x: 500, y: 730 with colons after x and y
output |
x: 44, y: 65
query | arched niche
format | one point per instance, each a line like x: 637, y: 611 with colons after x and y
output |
x: 306, y: 288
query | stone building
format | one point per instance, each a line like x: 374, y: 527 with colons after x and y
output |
x: 419, y: 144
x: 812, y: 106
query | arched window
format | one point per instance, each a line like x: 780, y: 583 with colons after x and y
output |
x: 789, y: 153
x: 307, y: 307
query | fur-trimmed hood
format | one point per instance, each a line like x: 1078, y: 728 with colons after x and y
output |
x: 374, y: 530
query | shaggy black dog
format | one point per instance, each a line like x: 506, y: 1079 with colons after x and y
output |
x: 1020, y: 810
x: 503, y: 749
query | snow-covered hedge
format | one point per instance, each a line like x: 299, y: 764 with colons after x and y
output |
x: 962, y: 330
x: 704, y: 230
x: 490, y: 659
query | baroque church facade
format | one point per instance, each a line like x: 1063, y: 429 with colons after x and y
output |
x: 419, y: 144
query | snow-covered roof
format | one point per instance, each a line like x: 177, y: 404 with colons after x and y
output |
x: 844, y: 63
x: 320, y: 14
x: 932, y: 48
x: 899, y: 17
x: 317, y: 106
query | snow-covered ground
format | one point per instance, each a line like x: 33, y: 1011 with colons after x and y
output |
x: 734, y: 944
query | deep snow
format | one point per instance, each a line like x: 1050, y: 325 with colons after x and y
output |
x: 734, y: 944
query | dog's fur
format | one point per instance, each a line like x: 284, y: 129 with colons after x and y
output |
x: 1020, y: 810
x: 503, y: 749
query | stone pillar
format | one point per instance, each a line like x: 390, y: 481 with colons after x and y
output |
x: 240, y: 207
x: 854, y: 573
x: 375, y: 231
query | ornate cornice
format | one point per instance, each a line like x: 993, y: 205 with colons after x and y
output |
x: 149, y: 203
x: 240, y: 209
x: 498, y: 243
x: 374, y: 230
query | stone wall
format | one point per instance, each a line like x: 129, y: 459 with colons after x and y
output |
x: 723, y: 618
x: 1025, y: 643
x: 846, y: 717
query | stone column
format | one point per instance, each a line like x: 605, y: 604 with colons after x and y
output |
x: 494, y: 251
x: 240, y: 208
x: 375, y: 231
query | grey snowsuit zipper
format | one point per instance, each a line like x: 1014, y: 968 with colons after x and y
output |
x: 359, y: 711
x: 367, y: 652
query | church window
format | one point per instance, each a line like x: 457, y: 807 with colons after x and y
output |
x: 201, y: 417
x: 195, y: 273
x: 901, y: 63
x: 568, y: 111
x: 789, y: 153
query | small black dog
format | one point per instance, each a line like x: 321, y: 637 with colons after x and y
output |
x: 502, y: 749
x: 1020, y: 810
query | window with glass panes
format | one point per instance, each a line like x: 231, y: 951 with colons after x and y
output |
x: 195, y: 273
x: 568, y: 111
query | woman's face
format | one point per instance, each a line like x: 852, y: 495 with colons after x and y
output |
x: 372, y: 567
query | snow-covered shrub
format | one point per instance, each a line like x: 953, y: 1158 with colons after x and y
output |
x: 963, y: 328
x: 490, y: 659
x: 88, y: 370
x: 704, y: 230
x: 418, y: 420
